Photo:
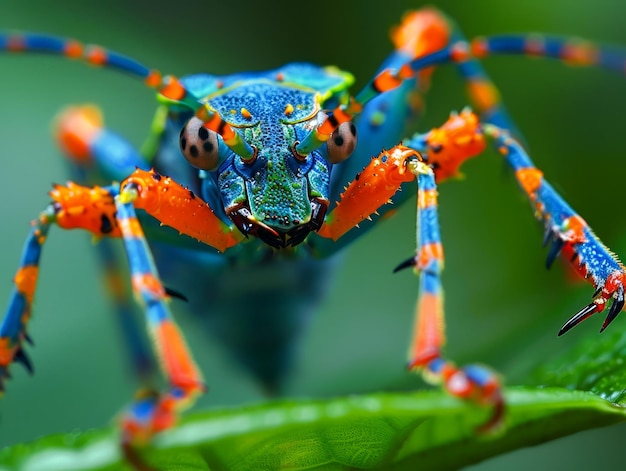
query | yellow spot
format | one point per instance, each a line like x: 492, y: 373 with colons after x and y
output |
x: 427, y: 199
x: 288, y: 109
x: 75, y: 210
x: 377, y: 118
x: 245, y: 113
x: 128, y: 195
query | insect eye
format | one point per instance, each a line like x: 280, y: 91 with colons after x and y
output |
x: 341, y: 143
x: 199, y: 145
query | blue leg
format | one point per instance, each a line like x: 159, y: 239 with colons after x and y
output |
x: 98, y: 154
x: 567, y: 233
x: 376, y: 184
x: 13, y: 330
x: 472, y: 382
x: 155, y: 412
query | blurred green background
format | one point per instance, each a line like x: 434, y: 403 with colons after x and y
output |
x: 503, y: 307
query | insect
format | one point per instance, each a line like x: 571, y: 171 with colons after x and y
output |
x: 270, y: 241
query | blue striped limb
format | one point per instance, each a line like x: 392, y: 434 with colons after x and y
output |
x: 155, y: 412
x: 473, y: 382
x: 567, y: 233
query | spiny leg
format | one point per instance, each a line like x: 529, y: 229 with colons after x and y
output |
x: 463, y: 136
x: 99, y: 211
x: 178, y: 207
x: 13, y: 330
x: 96, y: 210
x: 568, y: 234
x: 92, y: 207
x: 444, y: 149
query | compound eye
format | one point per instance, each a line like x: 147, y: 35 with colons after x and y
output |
x: 342, y: 143
x: 199, y: 145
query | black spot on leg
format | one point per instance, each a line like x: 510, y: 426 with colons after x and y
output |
x: 105, y: 224
x: 332, y: 119
x: 338, y: 141
x: 208, y: 146
x: 193, y: 150
x: 203, y: 133
x: 183, y: 143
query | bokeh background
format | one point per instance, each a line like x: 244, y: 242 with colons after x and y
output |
x: 503, y: 307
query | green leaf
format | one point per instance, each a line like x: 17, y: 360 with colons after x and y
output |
x: 397, y: 431
x: 596, y: 365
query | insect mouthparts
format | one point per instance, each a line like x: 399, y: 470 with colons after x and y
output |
x: 248, y: 225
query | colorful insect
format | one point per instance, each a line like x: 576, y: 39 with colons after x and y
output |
x: 273, y: 233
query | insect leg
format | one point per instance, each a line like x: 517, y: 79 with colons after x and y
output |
x: 142, y: 361
x: 13, y: 329
x: 100, y: 154
x: 153, y: 412
x: 459, y: 52
x: 378, y: 182
x: 97, y: 152
x: 568, y: 234
x: 472, y: 382
x: 444, y: 149
x: 73, y: 206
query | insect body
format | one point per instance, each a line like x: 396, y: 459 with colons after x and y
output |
x: 267, y: 156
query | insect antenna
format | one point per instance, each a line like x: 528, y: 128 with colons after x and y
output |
x: 171, y: 90
x: 570, y: 50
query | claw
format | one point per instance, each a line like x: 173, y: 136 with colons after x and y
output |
x: 478, y: 384
x: 4, y: 375
x: 409, y: 262
x: 615, y: 309
x: 175, y: 294
x: 586, y: 312
x: 597, y: 292
x: 496, y: 420
x: 21, y: 357
x: 554, y: 251
x: 547, y: 237
x: 29, y: 339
